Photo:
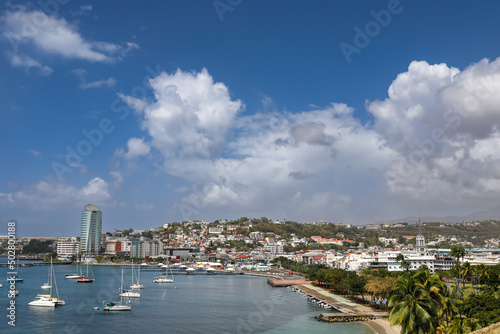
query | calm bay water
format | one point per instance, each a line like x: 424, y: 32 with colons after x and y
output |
x: 193, y: 304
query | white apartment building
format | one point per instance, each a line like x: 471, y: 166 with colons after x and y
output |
x: 273, y: 249
x: 216, y: 230
x: 68, y: 246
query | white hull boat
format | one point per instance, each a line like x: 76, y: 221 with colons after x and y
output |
x: 117, y: 306
x: 130, y: 294
x: 163, y: 279
x: 136, y: 286
x: 48, y: 300
x: 72, y: 276
x: 43, y: 301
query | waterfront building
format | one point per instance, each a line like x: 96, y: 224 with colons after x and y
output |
x: 118, y: 247
x: 387, y: 260
x: 67, y: 247
x: 90, y: 231
x: 145, y: 247
x: 181, y: 253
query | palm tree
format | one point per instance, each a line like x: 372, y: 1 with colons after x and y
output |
x: 432, y: 283
x: 458, y: 252
x: 438, y: 290
x: 462, y: 326
x: 465, y: 271
x: 412, y: 307
x: 449, y: 304
x: 405, y: 264
x: 400, y: 257
x: 474, y: 278
x: 456, y: 291
x: 482, y: 271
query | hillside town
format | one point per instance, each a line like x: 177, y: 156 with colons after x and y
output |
x: 253, y: 242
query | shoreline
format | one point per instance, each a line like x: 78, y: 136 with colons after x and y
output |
x: 382, y: 326
x: 379, y: 325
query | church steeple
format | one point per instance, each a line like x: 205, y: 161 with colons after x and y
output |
x: 419, y: 226
x: 420, y: 246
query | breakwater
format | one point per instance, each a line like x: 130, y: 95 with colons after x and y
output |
x: 336, y: 317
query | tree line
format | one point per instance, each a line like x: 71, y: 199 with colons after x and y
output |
x: 418, y: 301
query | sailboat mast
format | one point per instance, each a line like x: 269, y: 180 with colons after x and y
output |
x: 54, y: 276
x: 121, y: 290
x: 50, y: 280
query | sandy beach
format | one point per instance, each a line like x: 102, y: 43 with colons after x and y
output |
x: 382, y: 326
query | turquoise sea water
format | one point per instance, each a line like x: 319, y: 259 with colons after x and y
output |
x: 193, y: 304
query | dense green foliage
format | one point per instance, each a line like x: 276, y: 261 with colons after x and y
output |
x: 472, y: 232
x: 37, y: 247
x: 419, y: 302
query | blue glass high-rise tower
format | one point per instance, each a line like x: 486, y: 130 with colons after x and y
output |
x: 90, y: 231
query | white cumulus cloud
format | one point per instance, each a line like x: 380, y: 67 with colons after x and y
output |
x: 433, y: 144
x: 136, y: 147
x: 53, y: 196
x: 190, y: 117
x: 53, y: 35
x: 444, y: 124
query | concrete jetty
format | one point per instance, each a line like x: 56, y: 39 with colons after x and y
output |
x: 287, y: 282
x: 347, y: 310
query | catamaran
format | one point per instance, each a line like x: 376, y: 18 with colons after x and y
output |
x: 86, y: 279
x: 117, y: 306
x: 48, y: 300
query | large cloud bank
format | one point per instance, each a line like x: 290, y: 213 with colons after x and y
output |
x: 434, y: 139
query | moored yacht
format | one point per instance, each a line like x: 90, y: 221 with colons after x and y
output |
x: 48, y: 300
x: 136, y: 285
x: 43, y: 301
x: 86, y: 279
x: 73, y: 276
x: 130, y: 294
x: 164, y: 279
x: 117, y: 306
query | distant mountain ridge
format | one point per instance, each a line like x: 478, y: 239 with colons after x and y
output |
x: 493, y: 214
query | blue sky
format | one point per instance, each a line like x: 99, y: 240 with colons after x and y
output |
x: 222, y: 109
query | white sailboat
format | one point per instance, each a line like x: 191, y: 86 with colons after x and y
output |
x: 48, y: 285
x: 130, y: 293
x: 48, y: 300
x: 86, y: 279
x: 164, y: 279
x: 16, y: 277
x: 117, y: 306
x: 73, y: 276
x: 137, y: 285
